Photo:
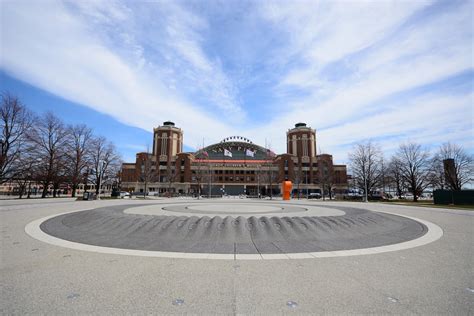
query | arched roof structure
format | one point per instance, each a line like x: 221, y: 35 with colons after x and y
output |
x: 240, y: 147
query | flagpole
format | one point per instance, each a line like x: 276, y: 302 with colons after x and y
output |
x: 210, y: 177
x: 223, y: 161
x: 199, y: 171
x: 270, y: 167
x: 201, y: 163
x: 245, y: 157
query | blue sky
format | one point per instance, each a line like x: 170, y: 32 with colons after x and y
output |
x: 354, y: 70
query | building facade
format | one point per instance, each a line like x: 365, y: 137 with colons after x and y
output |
x: 233, y: 166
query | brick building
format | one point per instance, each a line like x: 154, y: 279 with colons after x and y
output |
x: 233, y: 166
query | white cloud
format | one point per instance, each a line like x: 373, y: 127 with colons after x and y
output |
x: 380, y: 61
x: 322, y: 32
x: 341, y: 67
x: 429, y: 120
x: 46, y: 46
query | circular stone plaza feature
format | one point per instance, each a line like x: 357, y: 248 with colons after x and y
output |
x: 234, y: 229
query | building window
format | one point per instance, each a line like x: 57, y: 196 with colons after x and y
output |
x: 164, y: 143
x: 294, y: 152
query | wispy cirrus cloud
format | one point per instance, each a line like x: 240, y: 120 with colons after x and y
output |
x: 75, y: 52
x: 352, y: 70
x: 355, y: 59
x: 426, y: 119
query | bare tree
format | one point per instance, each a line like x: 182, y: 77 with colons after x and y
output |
x: 26, y: 171
x: 326, y: 177
x: 267, y: 178
x: 47, y: 143
x: 60, y: 170
x: 148, y: 171
x: 170, y: 178
x: 415, y: 167
x: 272, y: 177
x: 78, y: 154
x: 105, y: 162
x: 15, y: 121
x: 365, y: 162
x: 202, y: 172
x: 437, y: 176
x: 459, y: 171
x: 394, y: 171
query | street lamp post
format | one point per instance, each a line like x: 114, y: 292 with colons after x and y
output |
x: 271, y: 182
x: 365, y: 185
x: 210, y: 181
x: 86, y: 177
x: 258, y: 181
x: 100, y: 178
x: 306, y: 182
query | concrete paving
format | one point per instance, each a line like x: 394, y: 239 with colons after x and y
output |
x: 225, y: 234
x: 235, y: 208
x: 39, y: 278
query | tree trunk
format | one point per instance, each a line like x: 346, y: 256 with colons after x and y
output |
x: 399, y: 191
x: 45, y: 190
x: 29, y: 190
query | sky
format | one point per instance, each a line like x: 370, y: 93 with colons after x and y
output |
x: 387, y: 71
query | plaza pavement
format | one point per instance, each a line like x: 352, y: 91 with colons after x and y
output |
x: 39, y: 278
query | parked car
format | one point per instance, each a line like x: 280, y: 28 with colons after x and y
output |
x: 377, y: 195
x: 314, y: 195
x: 124, y: 194
x: 352, y: 195
x: 388, y: 196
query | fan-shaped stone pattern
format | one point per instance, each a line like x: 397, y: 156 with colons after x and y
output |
x: 110, y: 227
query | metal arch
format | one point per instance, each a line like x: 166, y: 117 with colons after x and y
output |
x: 226, y: 144
x: 236, y: 138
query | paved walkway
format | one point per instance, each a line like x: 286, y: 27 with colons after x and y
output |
x: 40, y: 278
x: 233, y: 228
